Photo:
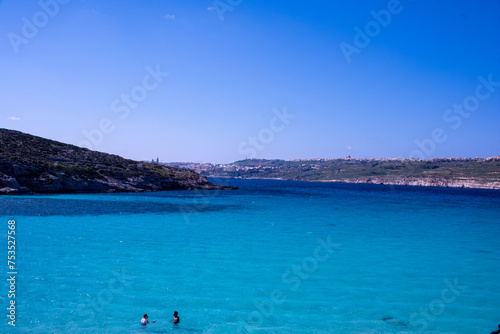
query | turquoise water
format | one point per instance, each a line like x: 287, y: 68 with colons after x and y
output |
x: 272, y: 257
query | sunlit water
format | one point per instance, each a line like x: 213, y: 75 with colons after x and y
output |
x: 272, y: 257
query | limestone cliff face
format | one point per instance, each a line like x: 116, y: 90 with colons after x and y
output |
x: 424, y: 182
x: 30, y: 164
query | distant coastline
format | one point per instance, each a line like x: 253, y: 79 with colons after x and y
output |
x: 415, y: 183
x: 478, y: 173
x: 30, y: 164
x: 424, y: 183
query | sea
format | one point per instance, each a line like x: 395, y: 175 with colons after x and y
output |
x: 271, y: 257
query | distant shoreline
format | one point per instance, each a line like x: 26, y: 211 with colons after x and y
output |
x: 415, y: 183
x: 423, y: 183
x: 479, y: 173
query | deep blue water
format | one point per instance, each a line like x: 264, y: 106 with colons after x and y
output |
x: 271, y: 257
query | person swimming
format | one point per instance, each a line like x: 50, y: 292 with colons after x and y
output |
x: 144, y: 320
x: 497, y: 331
x: 176, y: 318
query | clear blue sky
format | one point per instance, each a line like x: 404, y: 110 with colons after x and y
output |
x: 68, y: 68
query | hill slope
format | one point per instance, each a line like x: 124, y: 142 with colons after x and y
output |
x: 30, y: 164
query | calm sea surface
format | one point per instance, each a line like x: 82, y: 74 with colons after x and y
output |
x: 271, y: 257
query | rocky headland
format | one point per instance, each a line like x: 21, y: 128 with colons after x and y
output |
x: 31, y: 164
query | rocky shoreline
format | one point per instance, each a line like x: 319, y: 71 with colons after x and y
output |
x: 469, y: 184
x: 33, y: 165
x: 466, y: 183
x: 26, y: 180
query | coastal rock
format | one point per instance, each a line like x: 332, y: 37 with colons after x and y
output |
x: 30, y: 164
x: 429, y: 182
x: 9, y: 185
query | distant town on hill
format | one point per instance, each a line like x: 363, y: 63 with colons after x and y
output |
x: 441, y: 172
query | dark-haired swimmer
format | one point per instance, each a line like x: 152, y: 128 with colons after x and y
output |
x: 144, y: 320
x: 176, y: 318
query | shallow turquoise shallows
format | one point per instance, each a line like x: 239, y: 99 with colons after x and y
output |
x: 271, y: 257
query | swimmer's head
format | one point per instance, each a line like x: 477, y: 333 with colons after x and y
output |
x: 175, y: 314
x: 145, y: 315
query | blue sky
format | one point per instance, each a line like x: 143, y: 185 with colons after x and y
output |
x: 264, y: 79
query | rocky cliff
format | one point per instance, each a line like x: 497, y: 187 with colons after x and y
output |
x: 30, y: 164
x: 424, y: 182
